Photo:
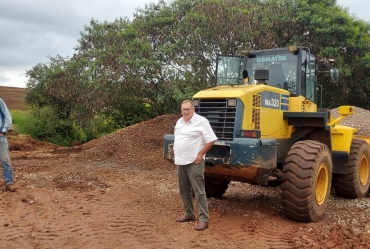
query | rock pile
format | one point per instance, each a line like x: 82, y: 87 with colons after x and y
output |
x: 360, y: 120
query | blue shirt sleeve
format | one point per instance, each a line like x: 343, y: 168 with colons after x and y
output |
x: 6, y: 118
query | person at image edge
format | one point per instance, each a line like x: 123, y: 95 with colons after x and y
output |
x: 193, y: 138
x: 5, y: 123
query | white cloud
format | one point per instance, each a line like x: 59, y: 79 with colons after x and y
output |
x: 12, y: 78
x: 357, y: 8
x: 4, y: 78
x: 30, y: 31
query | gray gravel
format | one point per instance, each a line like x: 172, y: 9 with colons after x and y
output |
x: 360, y: 120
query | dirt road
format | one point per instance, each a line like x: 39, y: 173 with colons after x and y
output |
x: 118, y: 192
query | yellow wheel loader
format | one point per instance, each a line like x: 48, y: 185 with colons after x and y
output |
x: 270, y: 130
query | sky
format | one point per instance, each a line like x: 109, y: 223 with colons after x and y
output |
x: 32, y: 31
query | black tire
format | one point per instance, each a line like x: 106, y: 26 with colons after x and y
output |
x: 355, y: 184
x: 306, y: 181
x: 215, y: 187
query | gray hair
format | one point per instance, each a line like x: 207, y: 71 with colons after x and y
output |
x: 188, y: 101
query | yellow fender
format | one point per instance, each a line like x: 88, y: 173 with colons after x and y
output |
x: 341, y: 138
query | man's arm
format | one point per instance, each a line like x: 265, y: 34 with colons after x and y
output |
x: 201, y: 153
x: 7, y: 117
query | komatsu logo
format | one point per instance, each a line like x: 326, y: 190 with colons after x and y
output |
x: 270, y: 100
x: 272, y: 58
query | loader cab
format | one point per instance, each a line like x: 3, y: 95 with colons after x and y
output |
x: 293, y: 69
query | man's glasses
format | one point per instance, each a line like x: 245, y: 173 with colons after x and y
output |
x: 186, y: 109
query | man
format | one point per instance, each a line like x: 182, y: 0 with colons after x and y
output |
x: 5, y: 123
x: 193, y: 138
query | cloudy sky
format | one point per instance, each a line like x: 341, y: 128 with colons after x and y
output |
x: 30, y: 31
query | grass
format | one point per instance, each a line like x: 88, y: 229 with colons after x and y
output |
x: 21, y: 121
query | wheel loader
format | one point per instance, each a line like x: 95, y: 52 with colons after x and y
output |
x: 270, y: 130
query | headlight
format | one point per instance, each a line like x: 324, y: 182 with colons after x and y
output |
x: 231, y: 102
x: 195, y: 102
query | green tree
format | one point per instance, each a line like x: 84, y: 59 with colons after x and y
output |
x: 124, y: 72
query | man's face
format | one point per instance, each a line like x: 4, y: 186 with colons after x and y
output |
x: 187, y: 111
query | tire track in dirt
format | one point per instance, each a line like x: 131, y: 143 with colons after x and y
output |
x: 257, y: 221
x: 21, y: 229
x: 116, y: 222
x: 84, y: 217
x: 252, y: 230
x: 266, y: 227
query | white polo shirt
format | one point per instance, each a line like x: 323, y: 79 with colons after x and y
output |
x: 190, y: 138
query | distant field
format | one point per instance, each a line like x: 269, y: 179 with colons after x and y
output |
x: 13, y: 97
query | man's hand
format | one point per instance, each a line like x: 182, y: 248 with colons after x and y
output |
x: 201, y: 153
x: 199, y: 158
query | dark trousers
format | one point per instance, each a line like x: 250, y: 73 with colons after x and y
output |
x: 191, y: 177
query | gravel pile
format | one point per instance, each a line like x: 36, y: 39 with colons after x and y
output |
x: 360, y: 120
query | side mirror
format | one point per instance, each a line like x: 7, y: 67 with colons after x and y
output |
x: 334, y: 75
x: 245, y: 74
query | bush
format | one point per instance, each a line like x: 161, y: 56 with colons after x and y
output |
x: 21, y: 121
x: 44, y: 124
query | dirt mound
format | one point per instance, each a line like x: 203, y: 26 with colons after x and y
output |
x: 140, y: 144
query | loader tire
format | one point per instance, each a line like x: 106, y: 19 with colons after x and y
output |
x: 355, y: 184
x: 215, y: 187
x: 306, y: 181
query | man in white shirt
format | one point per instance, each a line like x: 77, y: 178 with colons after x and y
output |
x: 193, y: 138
